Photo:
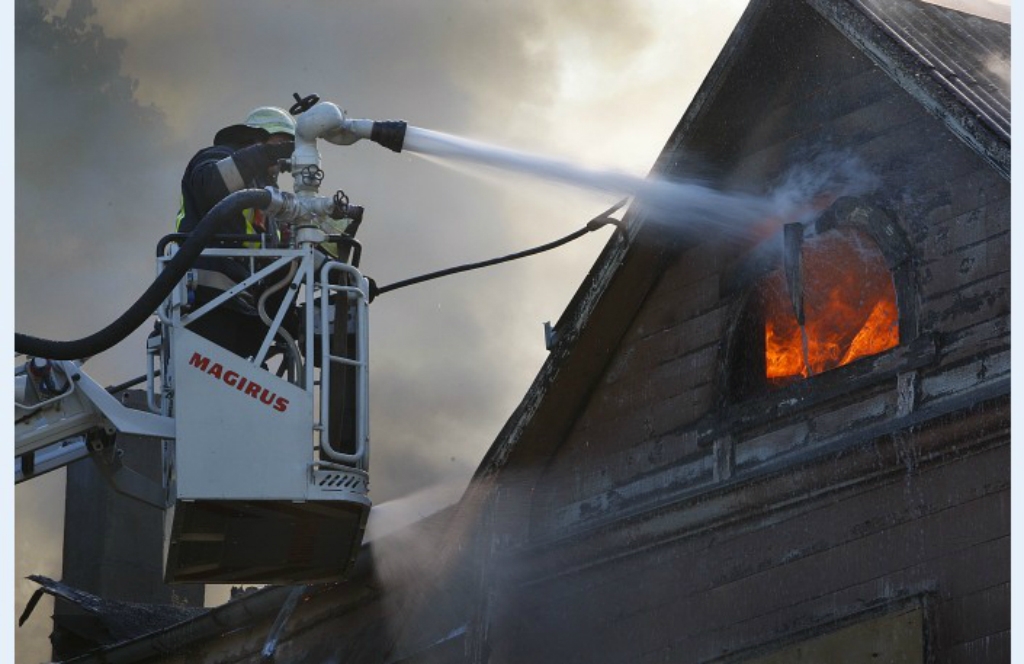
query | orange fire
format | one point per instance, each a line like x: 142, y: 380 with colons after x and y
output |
x: 849, y: 308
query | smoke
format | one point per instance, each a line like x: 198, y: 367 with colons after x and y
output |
x: 818, y: 179
x: 423, y: 559
x: 113, y: 97
x: 90, y: 198
x: 92, y: 182
x: 1000, y: 68
x: 390, y: 517
x: 39, y: 532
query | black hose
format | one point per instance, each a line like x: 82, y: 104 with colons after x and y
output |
x: 597, y: 222
x: 380, y: 290
x: 161, y: 287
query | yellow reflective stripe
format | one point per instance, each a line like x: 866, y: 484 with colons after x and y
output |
x: 249, y: 214
x: 181, y: 213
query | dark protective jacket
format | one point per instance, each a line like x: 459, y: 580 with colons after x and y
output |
x: 234, y: 325
x: 202, y: 187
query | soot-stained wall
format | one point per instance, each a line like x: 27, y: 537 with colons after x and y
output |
x: 676, y: 522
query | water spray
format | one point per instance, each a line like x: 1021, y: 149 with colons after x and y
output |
x: 661, y: 198
x: 688, y: 203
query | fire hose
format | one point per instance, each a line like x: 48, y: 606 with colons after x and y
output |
x: 190, y: 250
x: 597, y: 222
x: 161, y: 287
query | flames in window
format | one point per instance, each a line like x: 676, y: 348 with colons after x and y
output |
x: 849, y: 305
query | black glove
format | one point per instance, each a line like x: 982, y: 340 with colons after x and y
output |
x: 254, y: 161
x: 281, y: 150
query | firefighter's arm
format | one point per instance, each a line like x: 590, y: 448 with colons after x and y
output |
x: 251, y: 163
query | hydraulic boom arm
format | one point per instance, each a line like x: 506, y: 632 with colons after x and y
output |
x: 59, y: 413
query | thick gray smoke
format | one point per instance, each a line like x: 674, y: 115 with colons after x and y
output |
x: 114, y: 96
x: 91, y: 192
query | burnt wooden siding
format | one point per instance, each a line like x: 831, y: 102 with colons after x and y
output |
x: 685, y: 591
x: 674, y: 524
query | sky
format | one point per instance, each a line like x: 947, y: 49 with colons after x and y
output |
x: 113, y: 97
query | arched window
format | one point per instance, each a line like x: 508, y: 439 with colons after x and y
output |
x: 836, y: 293
x: 846, y: 308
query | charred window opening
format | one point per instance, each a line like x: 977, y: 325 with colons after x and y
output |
x: 836, y: 293
x: 840, y: 306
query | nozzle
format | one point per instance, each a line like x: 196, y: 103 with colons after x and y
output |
x: 327, y: 121
x: 389, y: 133
x: 353, y: 212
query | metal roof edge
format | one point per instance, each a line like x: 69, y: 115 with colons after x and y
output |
x: 238, y: 613
x: 922, y: 81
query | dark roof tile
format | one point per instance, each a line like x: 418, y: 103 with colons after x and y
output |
x: 967, y: 54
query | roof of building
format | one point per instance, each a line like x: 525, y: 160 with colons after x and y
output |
x: 115, y: 621
x: 967, y: 54
x: 955, y: 63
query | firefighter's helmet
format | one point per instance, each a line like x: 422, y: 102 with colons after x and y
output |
x: 272, y: 120
x: 260, y: 124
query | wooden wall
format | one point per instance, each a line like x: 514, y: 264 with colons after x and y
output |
x: 674, y: 525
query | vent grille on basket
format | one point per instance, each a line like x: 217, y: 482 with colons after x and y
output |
x: 339, y: 481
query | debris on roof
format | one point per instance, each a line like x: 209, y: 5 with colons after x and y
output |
x: 107, y: 621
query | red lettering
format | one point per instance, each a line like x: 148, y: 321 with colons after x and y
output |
x: 198, y: 360
x: 267, y: 396
x: 239, y: 382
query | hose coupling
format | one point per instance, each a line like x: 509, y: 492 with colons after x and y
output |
x: 288, y: 207
x: 283, y: 204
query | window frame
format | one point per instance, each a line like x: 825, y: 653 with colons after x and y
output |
x: 744, y: 347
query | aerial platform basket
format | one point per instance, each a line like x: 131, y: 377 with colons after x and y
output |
x: 263, y: 486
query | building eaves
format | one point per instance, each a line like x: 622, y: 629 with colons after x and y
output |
x: 251, y: 608
x: 248, y: 610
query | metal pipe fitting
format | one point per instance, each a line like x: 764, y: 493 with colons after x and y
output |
x: 288, y: 207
